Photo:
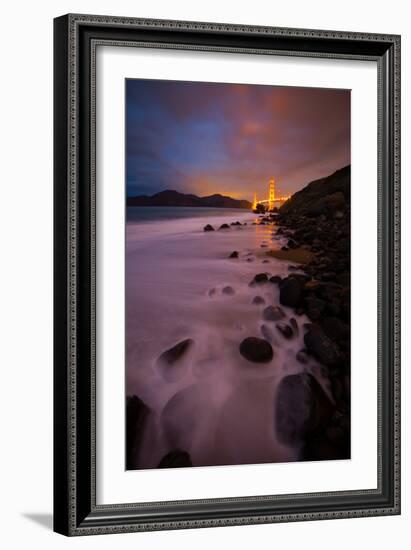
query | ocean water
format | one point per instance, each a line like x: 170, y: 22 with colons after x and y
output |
x: 214, y: 404
x: 151, y: 213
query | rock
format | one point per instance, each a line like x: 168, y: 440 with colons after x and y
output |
x: 275, y: 279
x: 273, y: 313
x: 291, y: 292
x: 338, y: 390
x: 343, y: 279
x: 234, y: 254
x: 312, y: 285
x: 260, y: 278
x: 229, y: 290
x: 265, y: 262
x: 292, y: 244
x: 208, y: 227
x: 322, y: 448
x: 301, y: 408
x: 302, y: 357
x: 302, y: 277
x: 285, y: 248
x: 314, y: 307
x: 322, y: 347
x: 175, y: 353
x: 250, y: 259
x: 332, y: 444
x: 224, y: 226
x: 285, y: 330
x: 256, y: 350
x: 328, y: 276
x: 335, y: 329
x: 258, y: 300
x: 314, y: 314
x: 329, y: 291
x: 332, y: 309
x: 175, y: 459
x: 136, y: 415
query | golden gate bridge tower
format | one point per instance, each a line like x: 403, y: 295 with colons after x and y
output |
x: 272, y: 197
x: 271, y: 194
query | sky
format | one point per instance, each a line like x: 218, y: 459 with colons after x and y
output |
x: 206, y: 138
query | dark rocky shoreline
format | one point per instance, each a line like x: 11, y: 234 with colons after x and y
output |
x: 322, y: 292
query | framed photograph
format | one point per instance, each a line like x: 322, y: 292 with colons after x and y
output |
x: 227, y: 279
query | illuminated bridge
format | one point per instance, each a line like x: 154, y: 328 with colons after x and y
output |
x: 272, y: 197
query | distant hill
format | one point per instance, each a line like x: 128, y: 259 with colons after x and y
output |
x: 174, y: 198
x: 322, y: 196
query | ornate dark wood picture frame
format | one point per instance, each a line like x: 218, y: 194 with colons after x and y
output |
x: 76, y: 38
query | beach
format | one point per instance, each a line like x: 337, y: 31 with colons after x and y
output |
x: 207, y: 403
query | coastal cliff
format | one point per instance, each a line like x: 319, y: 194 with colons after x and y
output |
x: 322, y: 196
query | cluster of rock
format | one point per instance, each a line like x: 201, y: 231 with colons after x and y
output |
x: 236, y: 224
x: 321, y: 224
x: 316, y: 220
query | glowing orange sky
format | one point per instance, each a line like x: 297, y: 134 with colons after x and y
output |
x: 206, y: 138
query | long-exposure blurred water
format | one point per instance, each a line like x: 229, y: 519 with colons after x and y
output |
x: 213, y: 403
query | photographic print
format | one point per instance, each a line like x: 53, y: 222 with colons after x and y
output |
x: 237, y: 274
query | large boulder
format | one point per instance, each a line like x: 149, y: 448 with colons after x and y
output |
x: 335, y: 328
x: 260, y: 278
x: 256, y: 350
x: 275, y: 279
x: 291, y: 292
x: 322, y: 347
x: 314, y: 307
x: 301, y: 408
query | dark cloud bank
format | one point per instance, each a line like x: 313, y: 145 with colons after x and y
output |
x: 206, y: 138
